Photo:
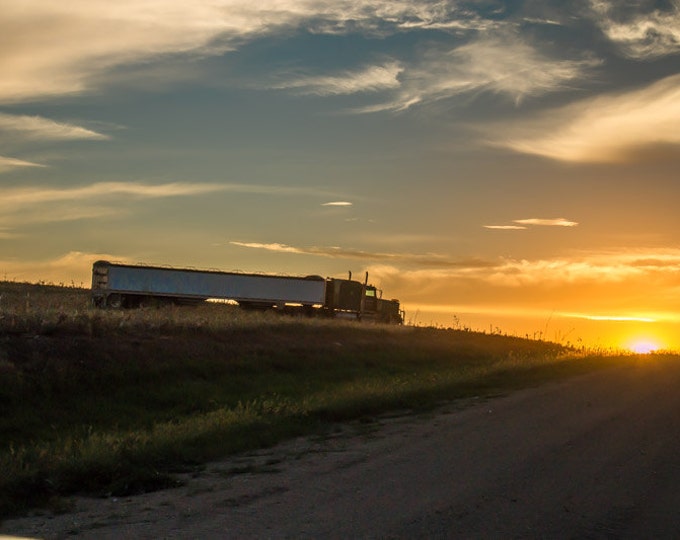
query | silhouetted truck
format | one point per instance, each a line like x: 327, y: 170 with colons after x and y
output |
x: 130, y: 286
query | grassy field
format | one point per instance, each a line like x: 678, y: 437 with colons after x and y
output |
x: 115, y: 402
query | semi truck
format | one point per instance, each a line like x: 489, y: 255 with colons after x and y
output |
x: 117, y: 285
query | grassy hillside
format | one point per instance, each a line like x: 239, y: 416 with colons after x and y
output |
x: 115, y: 402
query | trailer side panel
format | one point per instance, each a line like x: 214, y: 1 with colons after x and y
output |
x: 155, y: 281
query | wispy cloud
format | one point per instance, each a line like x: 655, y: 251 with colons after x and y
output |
x: 603, y: 129
x: 15, y: 198
x: 62, y: 48
x: 337, y: 203
x: 274, y: 246
x: 43, y: 204
x: 502, y: 63
x: 36, y: 127
x: 32, y: 205
x: 537, y: 20
x: 12, y: 197
x: 427, y: 259
x: 640, y: 35
x: 69, y: 47
x: 11, y: 163
x: 59, y: 48
x: 370, y: 79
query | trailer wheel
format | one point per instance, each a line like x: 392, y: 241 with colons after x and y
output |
x: 146, y: 302
x: 114, y: 301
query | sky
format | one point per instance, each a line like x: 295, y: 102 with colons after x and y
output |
x: 505, y: 166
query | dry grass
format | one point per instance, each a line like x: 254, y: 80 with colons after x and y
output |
x: 116, y: 401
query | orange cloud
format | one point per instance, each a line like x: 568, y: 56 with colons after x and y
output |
x: 558, y: 222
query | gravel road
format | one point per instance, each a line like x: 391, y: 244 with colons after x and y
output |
x: 595, y: 456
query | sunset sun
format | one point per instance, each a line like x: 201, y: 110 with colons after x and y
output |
x: 643, y: 346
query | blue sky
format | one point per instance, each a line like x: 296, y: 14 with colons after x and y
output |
x: 497, y: 161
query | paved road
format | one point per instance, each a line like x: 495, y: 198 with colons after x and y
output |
x: 597, y: 456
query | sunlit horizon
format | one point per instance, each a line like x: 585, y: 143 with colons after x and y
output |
x: 615, y: 333
x: 629, y: 330
x: 487, y: 161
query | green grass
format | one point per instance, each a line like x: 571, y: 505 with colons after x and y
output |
x: 116, y: 402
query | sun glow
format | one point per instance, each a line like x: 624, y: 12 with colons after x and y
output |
x: 643, y: 346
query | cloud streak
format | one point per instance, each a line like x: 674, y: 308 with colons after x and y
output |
x: 522, y: 224
x: 427, y: 259
x: 369, y: 79
x: 33, y: 205
x: 506, y: 227
x: 41, y: 204
x: 7, y: 163
x: 16, y: 198
x: 608, y: 128
x: 36, y: 127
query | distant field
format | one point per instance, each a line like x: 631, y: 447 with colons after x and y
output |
x: 115, y: 402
